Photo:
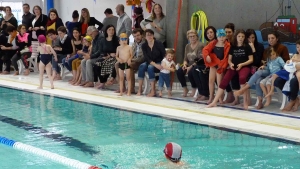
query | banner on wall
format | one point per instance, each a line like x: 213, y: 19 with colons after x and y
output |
x: 16, y: 9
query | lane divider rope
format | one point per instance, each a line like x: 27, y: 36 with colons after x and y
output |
x: 46, y: 154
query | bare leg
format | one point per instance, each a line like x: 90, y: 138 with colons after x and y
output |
x: 242, y: 90
x: 289, y: 106
x: 48, y: 71
x: 260, y: 104
x: 41, y: 68
x: 268, y: 98
x: 220, y: 92
x: 296, y: 106
x: 193, y: 92
x: 246, y: 101
x: 211, y: 83
x: 169, y: 93
x: 160, y: 93
x: 140, y: 87
x: 219, y: 78
x: 121, y: 81
x: 271, y: 92
x: 152, y: 92
x: 185, y: 91
x: 128, y: 78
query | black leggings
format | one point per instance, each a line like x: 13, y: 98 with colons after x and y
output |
x: 14, y: 61
x: 97, y: 75
x: 201, y: 80
x: 294, y: 88
x: 181, y: 77
x: 24, y: 58
x: 7, y: 64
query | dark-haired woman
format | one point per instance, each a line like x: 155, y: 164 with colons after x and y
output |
x: 37, y: 27
x: 86, y: 20
x: 54, y: 22
x: 9, y: 49
x: 240, y: 58
x: 106, y: 63
x: 9, y: 20
x: 73, y: 24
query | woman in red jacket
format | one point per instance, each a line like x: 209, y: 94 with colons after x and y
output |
x: 216, y: 57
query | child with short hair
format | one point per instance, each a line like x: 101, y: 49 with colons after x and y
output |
x: 274, y: 64
x: 164, y: 76
x: 124, y: 56
x: 46, y: 52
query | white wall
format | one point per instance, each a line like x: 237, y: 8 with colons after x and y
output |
x: 66, y: 7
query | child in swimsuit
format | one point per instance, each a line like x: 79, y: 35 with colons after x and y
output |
x: 46, y: 52
x: 164, y: 76
x: 124, y: 56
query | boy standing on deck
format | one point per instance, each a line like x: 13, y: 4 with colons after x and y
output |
x: 124, y: 56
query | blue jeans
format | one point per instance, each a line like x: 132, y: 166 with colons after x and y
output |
x: 164, y: 78
x: 55, y: 66
x: 68, y: 63
x: 256, y: 78
x: 149, y: 68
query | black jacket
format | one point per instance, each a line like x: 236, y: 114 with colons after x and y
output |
x: 42, y: 21
x: 93, y: 22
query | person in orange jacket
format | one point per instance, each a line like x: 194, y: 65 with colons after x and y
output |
x: 215, y: 56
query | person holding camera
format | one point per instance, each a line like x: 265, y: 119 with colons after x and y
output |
x: 192, y: 61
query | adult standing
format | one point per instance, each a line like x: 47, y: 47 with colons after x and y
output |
x: 73, y: 24
x: 86, y: 20
x: 87, y: 64
x: 154, y: 52
x: 110, y: 19
x: 54, y: 22
x: 37, y: 27
x: 9, y: 20
x: 192, y: 54
x: 27, y: 16
x: 139, y: 17
x: 138, y: 56
x: 124, y: 24
x: 158, y: 23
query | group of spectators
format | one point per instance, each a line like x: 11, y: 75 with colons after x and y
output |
x: 87, y: 48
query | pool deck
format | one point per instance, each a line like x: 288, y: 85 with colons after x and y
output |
x: 269, y: 122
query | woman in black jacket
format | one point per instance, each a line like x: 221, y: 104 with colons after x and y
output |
x: 9, y: 20
x: 86, y: 21
x: 37, y: 27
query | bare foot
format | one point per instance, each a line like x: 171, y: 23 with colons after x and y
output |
x: 235, y: 102
x: 193, y: 93
x: 210, y: 100
x: 289, y: 106
x: 229, y: 98
x: 120, y: 94
x: 82, y: 84
x: 89, y: 84
x: 5, y: 73
x: 238, y: 93
x: 151, y: 94
x: 169, y: 95
x: 185, y: 92
x: 259, y: 105
x: 138, y: 93
x: 211, y: 105
x: 296, y: 106
x: 128, y: 93
x: 268, y: 101
x: 57, y: 78
x: 16, y: 73
x: 221, y: 101
x: 40, y: 87
x: 26, y: 72
x: 245, y: 105
x: 160, y: 94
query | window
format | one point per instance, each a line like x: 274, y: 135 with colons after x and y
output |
x: 16, y: 9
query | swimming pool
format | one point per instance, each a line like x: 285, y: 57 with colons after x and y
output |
x: 121, y: 139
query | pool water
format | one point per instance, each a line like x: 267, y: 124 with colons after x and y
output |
x: 116, y: 138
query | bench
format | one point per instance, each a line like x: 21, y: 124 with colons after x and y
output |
x: 32, y: 64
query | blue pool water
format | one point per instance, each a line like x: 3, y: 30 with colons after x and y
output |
x: 125, y: 140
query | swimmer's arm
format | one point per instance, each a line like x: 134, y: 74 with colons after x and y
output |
x: 52, y: 51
